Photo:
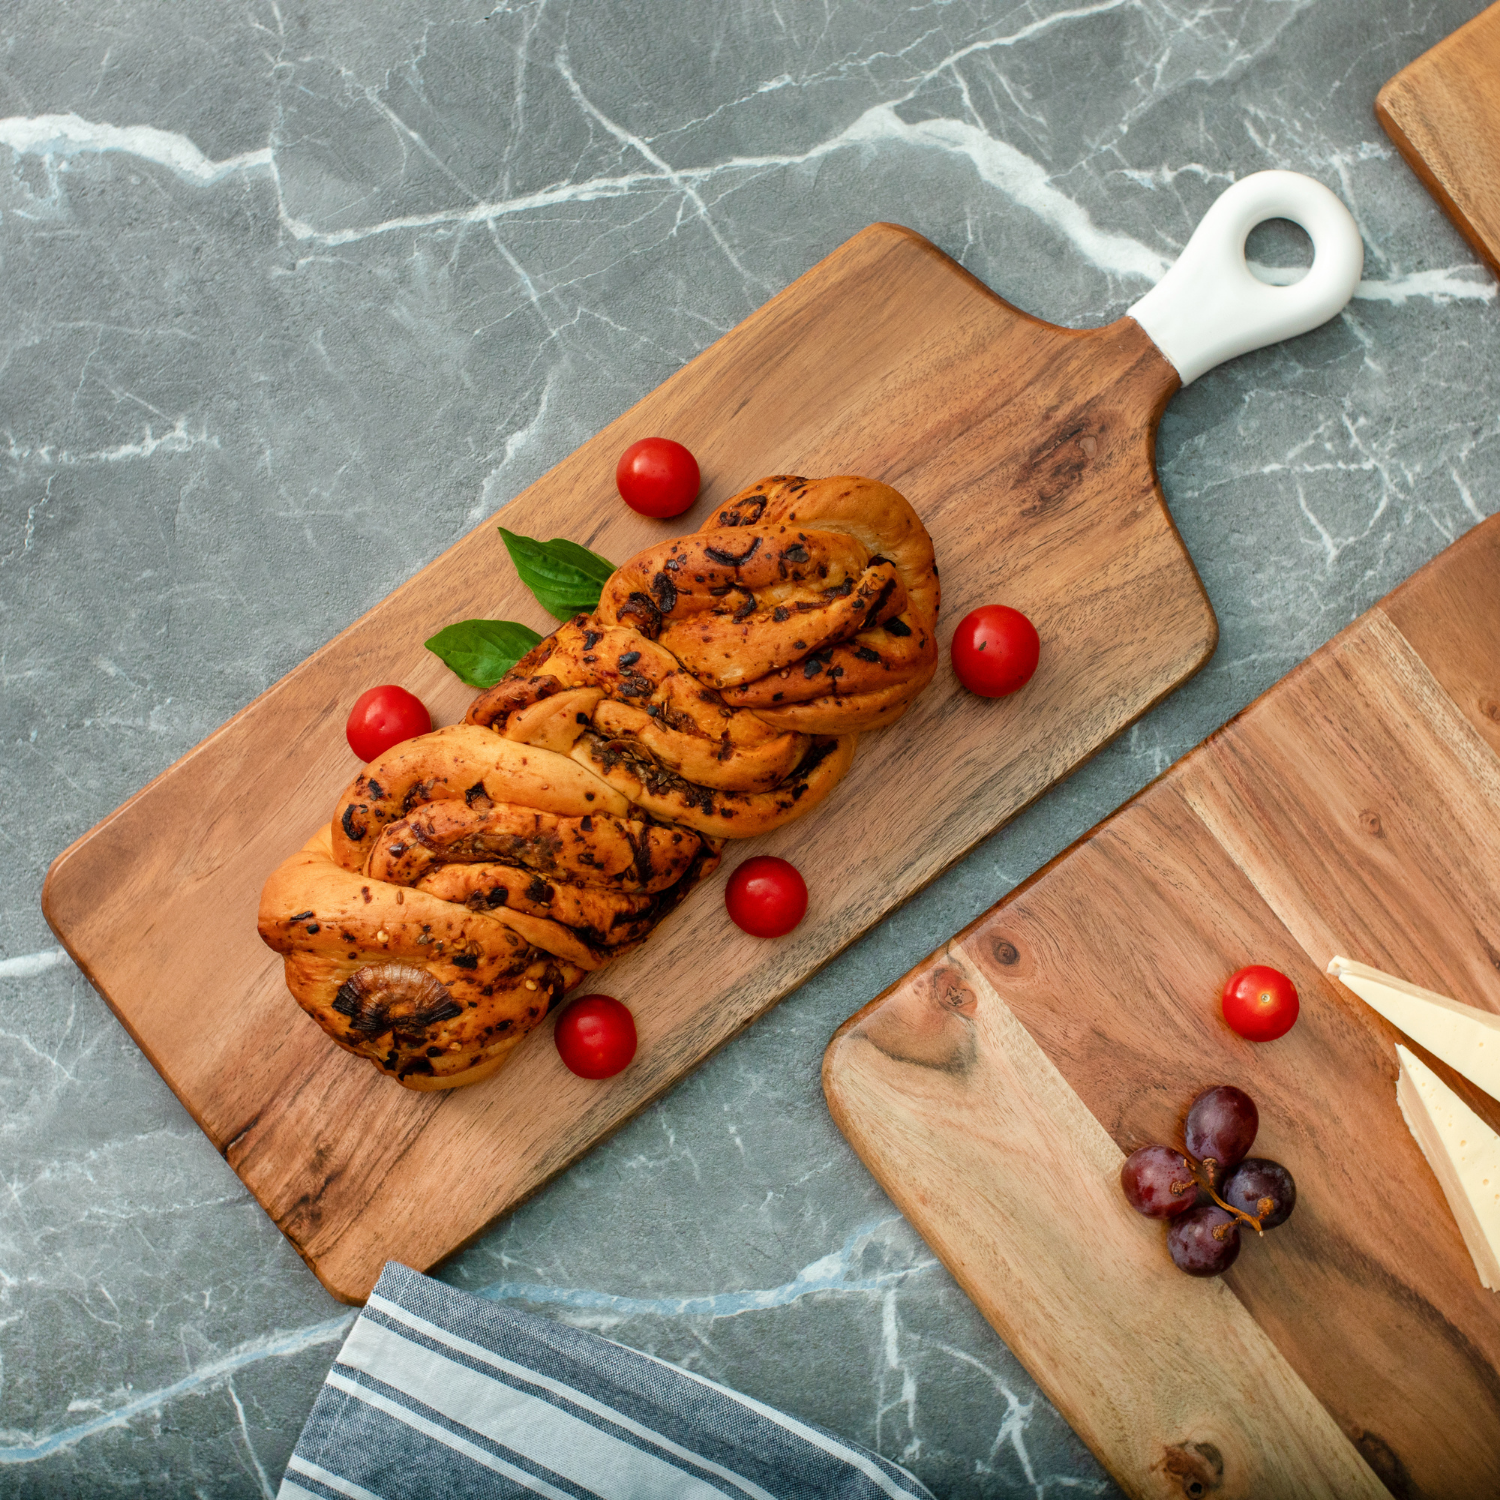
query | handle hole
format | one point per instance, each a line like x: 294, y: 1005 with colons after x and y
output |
x: 1278, y: 252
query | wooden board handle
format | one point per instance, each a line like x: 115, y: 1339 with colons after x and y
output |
x: 1210, y: 306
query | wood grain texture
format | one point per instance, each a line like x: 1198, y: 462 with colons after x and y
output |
x: 1217, y: 1409
x: 1447, y: 616
x: 1363, y: 807
x: 1443, y: 113
x: 1028, y: 452
x: 1354, y: 808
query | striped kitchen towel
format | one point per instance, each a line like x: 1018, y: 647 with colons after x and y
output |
x: 439, y: 1393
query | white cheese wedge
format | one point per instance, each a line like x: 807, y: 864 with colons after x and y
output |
x: 1463, y: 1152
x: 1468, y: 1040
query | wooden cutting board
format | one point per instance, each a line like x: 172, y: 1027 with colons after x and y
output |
x: 1443, y: 113
x: 1028, y: 452
x: 1353, y: 809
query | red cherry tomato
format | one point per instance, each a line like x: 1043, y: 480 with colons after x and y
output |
x: 1260, y: 1003
x: 595, y: 1036
x: 766, y: 896
x: 995, y: 650
x: 657, y: 477
x: 383, y: 717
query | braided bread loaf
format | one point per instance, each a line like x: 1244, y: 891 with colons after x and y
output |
x: 472, y: 875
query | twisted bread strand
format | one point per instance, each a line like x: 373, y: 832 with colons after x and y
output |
x: 657, y: 736
x: 432, y: 993
x: 465, y: 883
x: 811, y: 602
x: 865, y: 680
x: 724, y: 675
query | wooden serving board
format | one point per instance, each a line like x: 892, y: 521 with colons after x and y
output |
x: 1443, y: 113
x: 1027, y: 450
x: 1354, y: 809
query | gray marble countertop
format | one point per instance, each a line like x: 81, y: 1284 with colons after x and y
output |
x: 296, y: 293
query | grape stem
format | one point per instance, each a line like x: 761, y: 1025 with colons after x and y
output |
x: 1228, y: 1208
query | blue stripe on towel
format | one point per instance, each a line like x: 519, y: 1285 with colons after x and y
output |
x: 407, y: 1456
x: 571, y: 1405
x: 438, y: 1393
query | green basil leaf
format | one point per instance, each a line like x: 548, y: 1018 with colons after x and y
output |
x: 481, y: 652
x: 566, y: 578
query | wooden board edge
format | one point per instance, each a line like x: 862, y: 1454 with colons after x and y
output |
x: 163, y: 1070
x: 826, y: 1070
x: 919, y: 241
x: 356, y: 1293
x: 1211, y: 618
x: 1478, y: 535
x: 1389, y: 110
x: 1390, y: 123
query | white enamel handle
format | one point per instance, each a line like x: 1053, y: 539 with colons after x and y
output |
x: 1210, y: 307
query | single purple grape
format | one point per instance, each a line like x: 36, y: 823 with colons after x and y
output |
x: 1263, y: 1189
x: 1204, y: 1242
x: 1158, y: 1182
x: 1221, y: 1126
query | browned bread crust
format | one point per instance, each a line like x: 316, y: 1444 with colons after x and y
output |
x: 724, y: 674
x: 463, y: 763
x: 625, y: 708
x: 866, y: 677
x: 465, y: 882
x: 427, y: 990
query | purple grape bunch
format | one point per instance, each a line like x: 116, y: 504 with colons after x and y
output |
x: 1212, y: 1186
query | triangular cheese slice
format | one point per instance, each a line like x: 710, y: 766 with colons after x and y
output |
x: 1468, y: 1040
x: 1464, y: 1153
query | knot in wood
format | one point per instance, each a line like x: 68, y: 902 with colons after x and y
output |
x: 951, y: 991
x: 1196, y: 1468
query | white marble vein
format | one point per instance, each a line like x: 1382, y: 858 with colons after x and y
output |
x: 1020, y: 178
x: 177, y: 439
x: 69, y: 135
x: 26, y: 1448
x: 1472, y: 283
x: 828, y: 1274
x: 29, y: 965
